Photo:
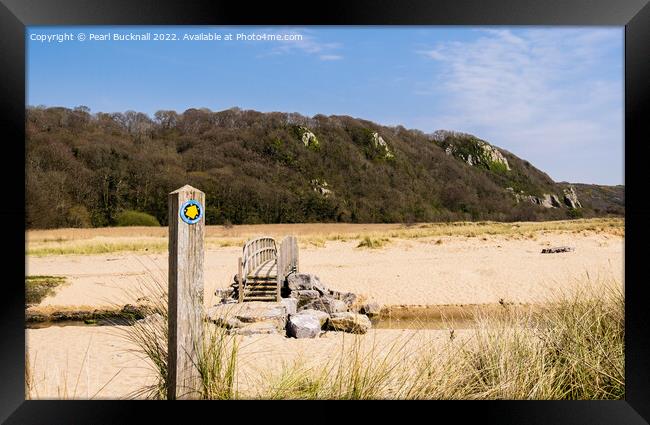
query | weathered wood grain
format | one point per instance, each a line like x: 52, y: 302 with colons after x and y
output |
x: 186, y: 257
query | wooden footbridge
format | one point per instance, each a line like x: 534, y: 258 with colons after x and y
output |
x: 264, y: 266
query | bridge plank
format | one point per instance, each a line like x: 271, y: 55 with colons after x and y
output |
x: 267, y: 269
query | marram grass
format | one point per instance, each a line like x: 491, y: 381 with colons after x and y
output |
x: 571, y: 348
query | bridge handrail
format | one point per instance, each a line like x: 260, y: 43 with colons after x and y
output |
x: 287, y: 257
x: 263, y: 249
x: 258, y: 251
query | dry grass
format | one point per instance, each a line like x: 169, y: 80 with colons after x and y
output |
x: 373, y: 243
x: 147, y: 239
x: 571, y: 348
x: 103, y: 245
x: 216, y: 360
x: 356, y: 372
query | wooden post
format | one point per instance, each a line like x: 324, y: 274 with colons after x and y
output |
x: 297, y: 254
x: 279, y: 270
x: 186, y: 232
x: 240, y: 280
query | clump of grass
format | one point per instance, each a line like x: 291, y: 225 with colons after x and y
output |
x: 373, y: 243
x: 573, y: 349
x: 316, y: 241
x: 356, y: 373
x: 216, y: 354
x: 135, y: 218
x: 150, y: 339
x: 217, y: 364
x: 39, y: 287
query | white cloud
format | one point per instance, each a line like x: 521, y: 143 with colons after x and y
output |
x: 544, y: 94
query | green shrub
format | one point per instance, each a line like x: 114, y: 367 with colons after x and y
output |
x: 574, y: 213
x: 135, y: 218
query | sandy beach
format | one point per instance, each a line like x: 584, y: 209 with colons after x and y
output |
x: 77, y: 362
x: 95, y: 361
x: 457, y: 270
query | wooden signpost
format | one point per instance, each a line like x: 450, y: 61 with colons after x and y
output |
x: 186, y: 256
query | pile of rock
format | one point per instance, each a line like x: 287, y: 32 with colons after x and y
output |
x: 307, y: 309
x: 320, y: 308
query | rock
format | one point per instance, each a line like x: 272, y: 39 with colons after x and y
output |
x: 484, y: 154
x: 260, y: 328
x: 321, y: 187
x: 308, y: 138
x: 303, y: 325
x: 240, y: 314
x: 152, y: 320
x: 322, y: 289
x: 347, y: 297
x: 493, y: 155
x: 350, y: 322
x: 302, y: 281
x: 290, y: 304
x: 335, y: 306
x: 571, y: 198
x: 370, y: 309
x: 546, y: 201
x: 449, y: 150
x: 322, y: 317
x: 557, y: 249
x: 555, y: 201
x: 305, y: 296
x: 381, y: 146
x: 326, y: 304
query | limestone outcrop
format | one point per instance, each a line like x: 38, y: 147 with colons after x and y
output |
x: 479, y: 153
x: 571, y: 198
x: 381, y: 146
x: 308, y: 138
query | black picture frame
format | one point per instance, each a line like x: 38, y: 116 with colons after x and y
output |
x: 15, y: 15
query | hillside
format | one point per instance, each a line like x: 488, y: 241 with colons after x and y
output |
x: 85, y: 169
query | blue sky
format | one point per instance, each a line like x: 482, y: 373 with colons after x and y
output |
x: 551, y: 95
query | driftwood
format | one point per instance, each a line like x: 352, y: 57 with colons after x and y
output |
x: 557, y: 249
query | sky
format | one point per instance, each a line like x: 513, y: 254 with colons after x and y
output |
x: 550, y: 95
